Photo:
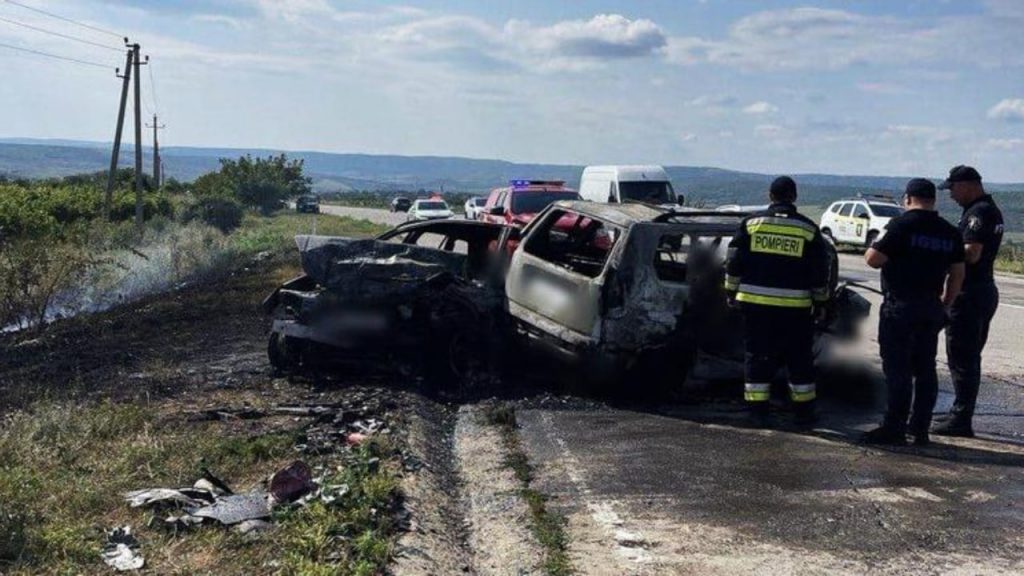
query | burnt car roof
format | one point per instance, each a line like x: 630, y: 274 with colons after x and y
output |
x: 454, y: 228
x: 625, y: 215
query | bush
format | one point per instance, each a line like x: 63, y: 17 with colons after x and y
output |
x: 262, y: 183
x: 223, y: 213
x: 34, y: 272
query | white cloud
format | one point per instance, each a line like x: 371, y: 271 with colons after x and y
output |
x: 1009, y: 109
x: 768, y: 130
x: 827, y: 39
x: 687, y: 136
x: 1006, y: 143
x: 760, y: 108
x: 603, y: 37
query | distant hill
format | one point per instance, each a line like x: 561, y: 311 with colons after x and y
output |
x: 28, y: 158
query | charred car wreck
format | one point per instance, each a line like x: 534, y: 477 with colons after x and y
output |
x: 424, y: 294
x: 612, y: 288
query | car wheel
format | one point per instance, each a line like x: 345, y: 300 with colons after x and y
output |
x: 282, y: 352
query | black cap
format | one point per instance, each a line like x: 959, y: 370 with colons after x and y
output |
x: 960, y: 173
x: 783, y: 188
x: 921, y: 188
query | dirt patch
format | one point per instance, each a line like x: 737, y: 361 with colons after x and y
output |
x: 436, y: 541
x: 496, y: 513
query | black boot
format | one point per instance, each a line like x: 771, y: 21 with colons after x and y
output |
x: 805, y: 416
x: 956, y: 427
x: 885, y: 436
x: 758, y: 415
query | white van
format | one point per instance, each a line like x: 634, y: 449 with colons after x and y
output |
x: 648, y: 184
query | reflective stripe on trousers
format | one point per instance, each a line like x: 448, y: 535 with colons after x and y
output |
x: 756, y: 391
x: 802, y: 392
x: 769, y: 296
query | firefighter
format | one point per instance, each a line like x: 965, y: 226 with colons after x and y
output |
x: 982, y: 227
x: 922, y: 261
x: 777, y: 274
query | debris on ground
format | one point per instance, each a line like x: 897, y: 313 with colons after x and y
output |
x: 121, y: 550
x: 236, y: 508
x: 211, y: 501
x: 292, y: 482
x: 226, y: 414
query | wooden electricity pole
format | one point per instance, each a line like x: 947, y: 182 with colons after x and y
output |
x: 116, y: 153
x: 138, y: 139
x: 158, y: 170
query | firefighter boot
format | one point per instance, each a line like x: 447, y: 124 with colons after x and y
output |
x: 805, y: 416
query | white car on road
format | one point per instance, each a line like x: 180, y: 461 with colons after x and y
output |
x: 859, y: 221
x: 474, y: 206
x: 431, y: 209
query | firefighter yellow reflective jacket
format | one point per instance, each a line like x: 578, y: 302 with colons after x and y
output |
x: 778, y: 258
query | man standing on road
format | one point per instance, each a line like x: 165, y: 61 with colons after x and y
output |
x: 922, y: 261
x: 778, y: 270
x: 982, y: 227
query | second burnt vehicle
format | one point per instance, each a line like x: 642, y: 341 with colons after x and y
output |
x: 637, y: 287
x: 427, y: 295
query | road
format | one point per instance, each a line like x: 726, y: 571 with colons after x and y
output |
x: 689, y: 489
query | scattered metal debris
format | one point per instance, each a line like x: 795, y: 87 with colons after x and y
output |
x: 212, y: 414
x: 121, y: 550
x: 236, y: 508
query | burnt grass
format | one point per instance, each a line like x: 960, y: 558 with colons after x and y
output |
x: 99, y: 404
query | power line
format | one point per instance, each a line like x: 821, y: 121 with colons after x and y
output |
x: 52, y: 33
x: 152, y: 90
x: 57, y: 56
x: 62, y: 18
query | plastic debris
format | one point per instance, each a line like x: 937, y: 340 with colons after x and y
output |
x: 236, y: 508
x: 292, y: 482
x: 185, y: 497
x: 121, y: 550
x: 251, y: 527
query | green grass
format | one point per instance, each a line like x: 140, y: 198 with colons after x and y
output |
x: 547, y: 526
x: 1011, y: 258
x: 276, y: 232
x: 63, y: 470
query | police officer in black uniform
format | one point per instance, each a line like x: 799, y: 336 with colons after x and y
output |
x: 778, y: 271
x: 922, y: 261
x: 982, y: 227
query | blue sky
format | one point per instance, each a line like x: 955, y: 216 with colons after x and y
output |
x: 873, y: 87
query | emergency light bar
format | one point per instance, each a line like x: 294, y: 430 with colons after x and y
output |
x: 520, y: 184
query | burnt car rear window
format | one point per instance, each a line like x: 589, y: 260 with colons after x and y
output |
x: 673, y: 255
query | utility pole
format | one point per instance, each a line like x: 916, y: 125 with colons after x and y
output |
x: 112, y: 175
x: 138, y: 138
x: 158, y: 169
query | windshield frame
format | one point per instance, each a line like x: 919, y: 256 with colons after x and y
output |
x: 877, y: 208
x: 516, y: 206
x: 431, y: 205
x: 624, y: 185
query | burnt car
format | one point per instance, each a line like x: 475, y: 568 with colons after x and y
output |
x: 617, y: 287
x: 426, y: 295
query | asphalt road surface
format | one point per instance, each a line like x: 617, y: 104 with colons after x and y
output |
x: 689, y: 489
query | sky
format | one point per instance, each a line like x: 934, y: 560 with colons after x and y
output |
x: 857, y: 87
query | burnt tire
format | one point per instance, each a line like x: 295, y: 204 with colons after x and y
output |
x: 282, y: 352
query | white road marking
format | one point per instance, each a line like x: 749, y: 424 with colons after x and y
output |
x: 629, y: 544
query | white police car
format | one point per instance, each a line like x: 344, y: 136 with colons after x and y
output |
x: 859, y: 220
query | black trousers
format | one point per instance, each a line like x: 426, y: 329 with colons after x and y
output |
x: 965, y: 339
x: 908, y: 338
x: 778, y: 338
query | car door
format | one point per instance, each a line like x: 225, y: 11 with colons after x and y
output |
x: 860, y: 222
x: 844, y: 231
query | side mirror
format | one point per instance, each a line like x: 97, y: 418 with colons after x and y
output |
x: 497, y: 211
x: 864, y: 217
x: 681, y: 200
